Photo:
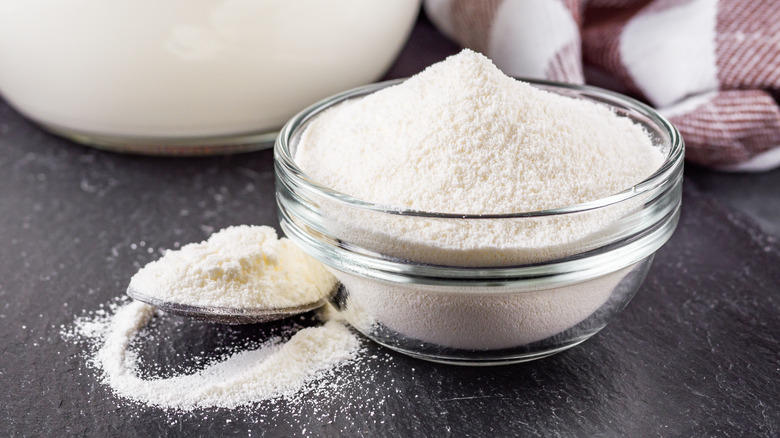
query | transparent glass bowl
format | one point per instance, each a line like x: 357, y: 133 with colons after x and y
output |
x: 514, y: 302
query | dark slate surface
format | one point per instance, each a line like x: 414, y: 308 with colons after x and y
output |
x: 696, y: 353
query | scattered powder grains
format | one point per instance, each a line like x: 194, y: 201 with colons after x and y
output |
x: 241, y: 266
x: 275, y: 369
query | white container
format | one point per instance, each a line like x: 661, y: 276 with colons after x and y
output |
x: 189, y: 76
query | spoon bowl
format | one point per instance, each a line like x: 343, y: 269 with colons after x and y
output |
x: 224, y: 315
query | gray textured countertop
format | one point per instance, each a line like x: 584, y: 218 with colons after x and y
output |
x: 696, y: 353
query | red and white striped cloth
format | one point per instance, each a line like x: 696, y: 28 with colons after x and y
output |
x: 711, y: 66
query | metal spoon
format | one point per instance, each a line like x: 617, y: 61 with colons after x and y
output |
x: 224, y: 315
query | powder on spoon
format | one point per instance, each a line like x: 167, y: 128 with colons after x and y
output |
x: 238, y: 267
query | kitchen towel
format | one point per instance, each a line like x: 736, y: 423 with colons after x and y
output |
x: 711, y: 66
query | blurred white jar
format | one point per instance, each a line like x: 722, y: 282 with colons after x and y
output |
x: 189, y: 76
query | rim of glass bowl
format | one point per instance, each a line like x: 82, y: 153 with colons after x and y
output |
x: 407, y: 271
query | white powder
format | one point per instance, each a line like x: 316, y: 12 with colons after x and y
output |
x: 238, y: 267
x: 273, y: 370
x: 461, y: 137
x: 460, y: 318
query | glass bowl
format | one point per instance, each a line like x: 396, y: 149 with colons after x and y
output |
x: 541, y: 294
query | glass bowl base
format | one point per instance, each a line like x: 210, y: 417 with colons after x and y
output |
x: 484, y: 358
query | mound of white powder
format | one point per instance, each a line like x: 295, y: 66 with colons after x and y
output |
x: 238, y: 267
x: 462, y: 137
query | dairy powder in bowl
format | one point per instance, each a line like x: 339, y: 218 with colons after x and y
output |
x: 189, y: 76
x: 494, y: 286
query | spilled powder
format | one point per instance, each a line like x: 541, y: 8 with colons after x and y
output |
x: 275, y: 369
x: 334, y: 402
